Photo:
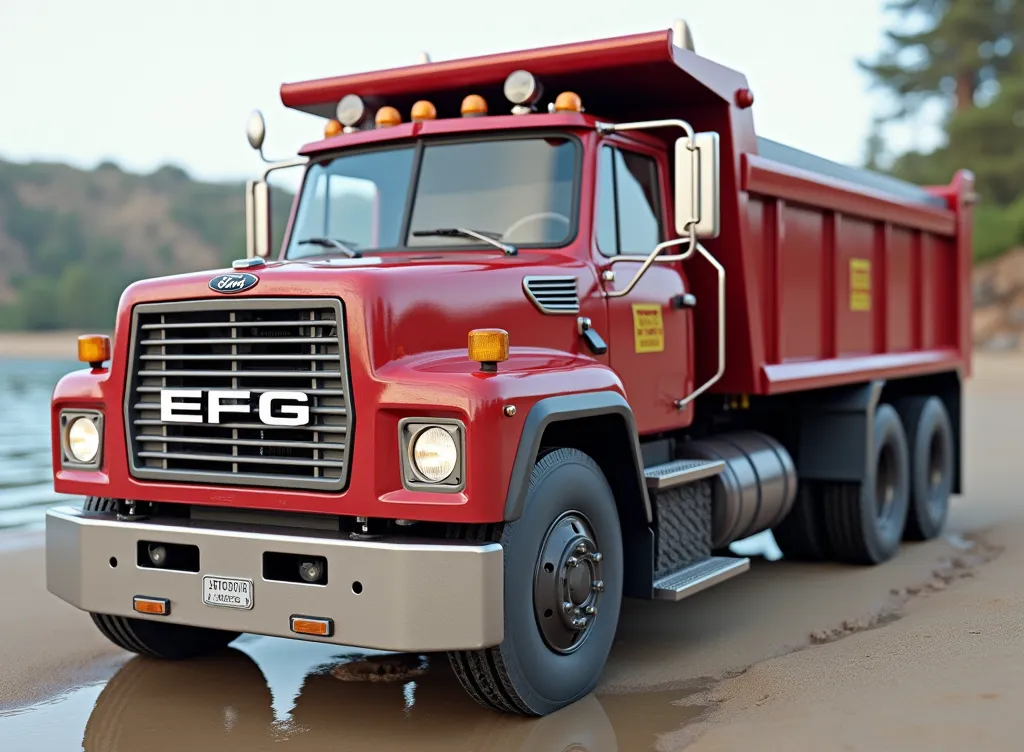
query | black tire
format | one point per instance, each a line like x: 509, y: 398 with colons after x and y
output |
x: 930, y: 442
x: 801, y: 534
x: 153, y: 638
x: 525, y: 674
x: 865, y: 521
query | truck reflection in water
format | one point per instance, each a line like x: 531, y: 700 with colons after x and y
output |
x: 238, y: 701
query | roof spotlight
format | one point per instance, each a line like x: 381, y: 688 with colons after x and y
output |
x: 351, y: 112
x: 523, y: 90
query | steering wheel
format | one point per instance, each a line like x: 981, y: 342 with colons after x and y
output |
x: 533, y: 218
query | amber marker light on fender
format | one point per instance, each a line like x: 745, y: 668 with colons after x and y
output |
x: 488, y: 347
x: 94, y: 349
x: 312, y: 625
x: 153, y: 606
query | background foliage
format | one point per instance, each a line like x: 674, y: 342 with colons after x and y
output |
x: 72, y: 240
x: 967, y: 57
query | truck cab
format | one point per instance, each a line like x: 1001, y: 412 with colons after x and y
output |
x: 547, y: 329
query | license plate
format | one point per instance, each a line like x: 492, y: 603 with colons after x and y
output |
x: 228, y: 592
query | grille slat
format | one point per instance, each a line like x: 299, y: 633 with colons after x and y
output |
x: 245, y: 356
x: 202, y: 324
x: 240, y: 340
x: 156, y: 423
x: 237, y: 459
x: 256, y: 345
x: 240, y: 374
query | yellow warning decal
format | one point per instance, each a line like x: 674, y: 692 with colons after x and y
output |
x: 860, y: 284
x: 648, y: 329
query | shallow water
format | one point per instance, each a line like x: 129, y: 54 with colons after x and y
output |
x: 262, y: 691
x: 26, y: 479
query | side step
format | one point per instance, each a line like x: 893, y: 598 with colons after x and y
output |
x: 677, y: 472
x: 698, y: 576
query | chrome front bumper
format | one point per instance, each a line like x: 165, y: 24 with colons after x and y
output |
x: 416, y: 595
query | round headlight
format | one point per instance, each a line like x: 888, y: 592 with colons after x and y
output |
x: 83, y: 439
x: 435, y: 454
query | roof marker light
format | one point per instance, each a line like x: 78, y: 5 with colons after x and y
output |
x: 474, y: 106
x: 423, y: 110
x: 332, y: 129
x: 523, y: 90
x: 387, y: 117
x: 351, y: 112
x: 568, y: 101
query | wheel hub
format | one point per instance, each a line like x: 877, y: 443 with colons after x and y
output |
x: 567, y: 584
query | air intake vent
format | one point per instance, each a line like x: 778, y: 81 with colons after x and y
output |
x: 554, y: 294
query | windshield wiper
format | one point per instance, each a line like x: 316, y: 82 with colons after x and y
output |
x: 340, y: 245
x: 491, y: 238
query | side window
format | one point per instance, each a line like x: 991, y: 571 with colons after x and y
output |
x: 628, y: 210
x: 607, y: 222
x: 636, y: 189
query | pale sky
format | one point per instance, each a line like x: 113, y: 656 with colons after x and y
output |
x: 146, y: 83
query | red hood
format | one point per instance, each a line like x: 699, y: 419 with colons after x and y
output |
x: 402, y: 305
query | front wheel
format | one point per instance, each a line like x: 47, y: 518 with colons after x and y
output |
x: 563, y: 592
x: 153, y: 638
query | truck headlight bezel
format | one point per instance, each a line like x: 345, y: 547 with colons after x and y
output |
x: 411, y: 430
x: 70, y: 418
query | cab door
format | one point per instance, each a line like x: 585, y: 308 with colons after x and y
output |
x: 650, y: 332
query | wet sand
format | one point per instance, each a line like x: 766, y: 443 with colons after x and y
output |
x: 925, y: 652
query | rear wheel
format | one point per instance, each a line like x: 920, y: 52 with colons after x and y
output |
x: 153, y: 638
x: 930, y: 441
x: 865, y: 521
x: 563, y: 591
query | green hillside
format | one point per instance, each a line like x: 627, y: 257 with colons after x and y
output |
x: 72, y: 240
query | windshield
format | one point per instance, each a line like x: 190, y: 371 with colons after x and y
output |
x: 520, y: 191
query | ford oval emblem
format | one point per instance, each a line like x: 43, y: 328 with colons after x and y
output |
x: 232, y: 283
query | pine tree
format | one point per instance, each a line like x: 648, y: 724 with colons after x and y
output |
x: 959, y: 51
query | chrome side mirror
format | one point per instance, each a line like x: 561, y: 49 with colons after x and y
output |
x: 697, y: 196
x: 256, y: 130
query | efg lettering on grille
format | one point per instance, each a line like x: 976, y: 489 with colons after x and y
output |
x: 255, y: 345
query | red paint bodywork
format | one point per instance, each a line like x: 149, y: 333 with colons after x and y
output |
x: 786, y: 239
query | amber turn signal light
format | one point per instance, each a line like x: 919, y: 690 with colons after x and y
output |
x: 473, y: 106
x: 387, y: 117
x: 332, y: 129
x: 94, y: 349
x: 568, y: 101
x: 310, y: 625
x: 153, y: 606
x: 488, y: 347
x: 423, y: 110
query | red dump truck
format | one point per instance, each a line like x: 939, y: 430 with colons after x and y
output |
x: 547, y: 329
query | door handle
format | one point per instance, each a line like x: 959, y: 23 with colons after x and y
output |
x: 593, y: 340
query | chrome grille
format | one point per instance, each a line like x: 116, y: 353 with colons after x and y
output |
x: 257, y: 345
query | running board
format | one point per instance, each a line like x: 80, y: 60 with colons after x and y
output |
x: 678, y: 472
x: 699, y: 576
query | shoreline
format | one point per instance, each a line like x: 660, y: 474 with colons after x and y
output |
x: 50, y: 345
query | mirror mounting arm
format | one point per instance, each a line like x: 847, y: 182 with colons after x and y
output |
x: 654, y: 257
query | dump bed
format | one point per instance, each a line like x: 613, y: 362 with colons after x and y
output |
x: 834, y: 274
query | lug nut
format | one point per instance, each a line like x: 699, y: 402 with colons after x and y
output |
x: 597, y: 586
x: 591, y: 610
x: 157, y: 555
x: 597, y: 556
x: 581, y: 549
x: 571, y: 562
x: 310, y: 571
x: 567, y: 607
